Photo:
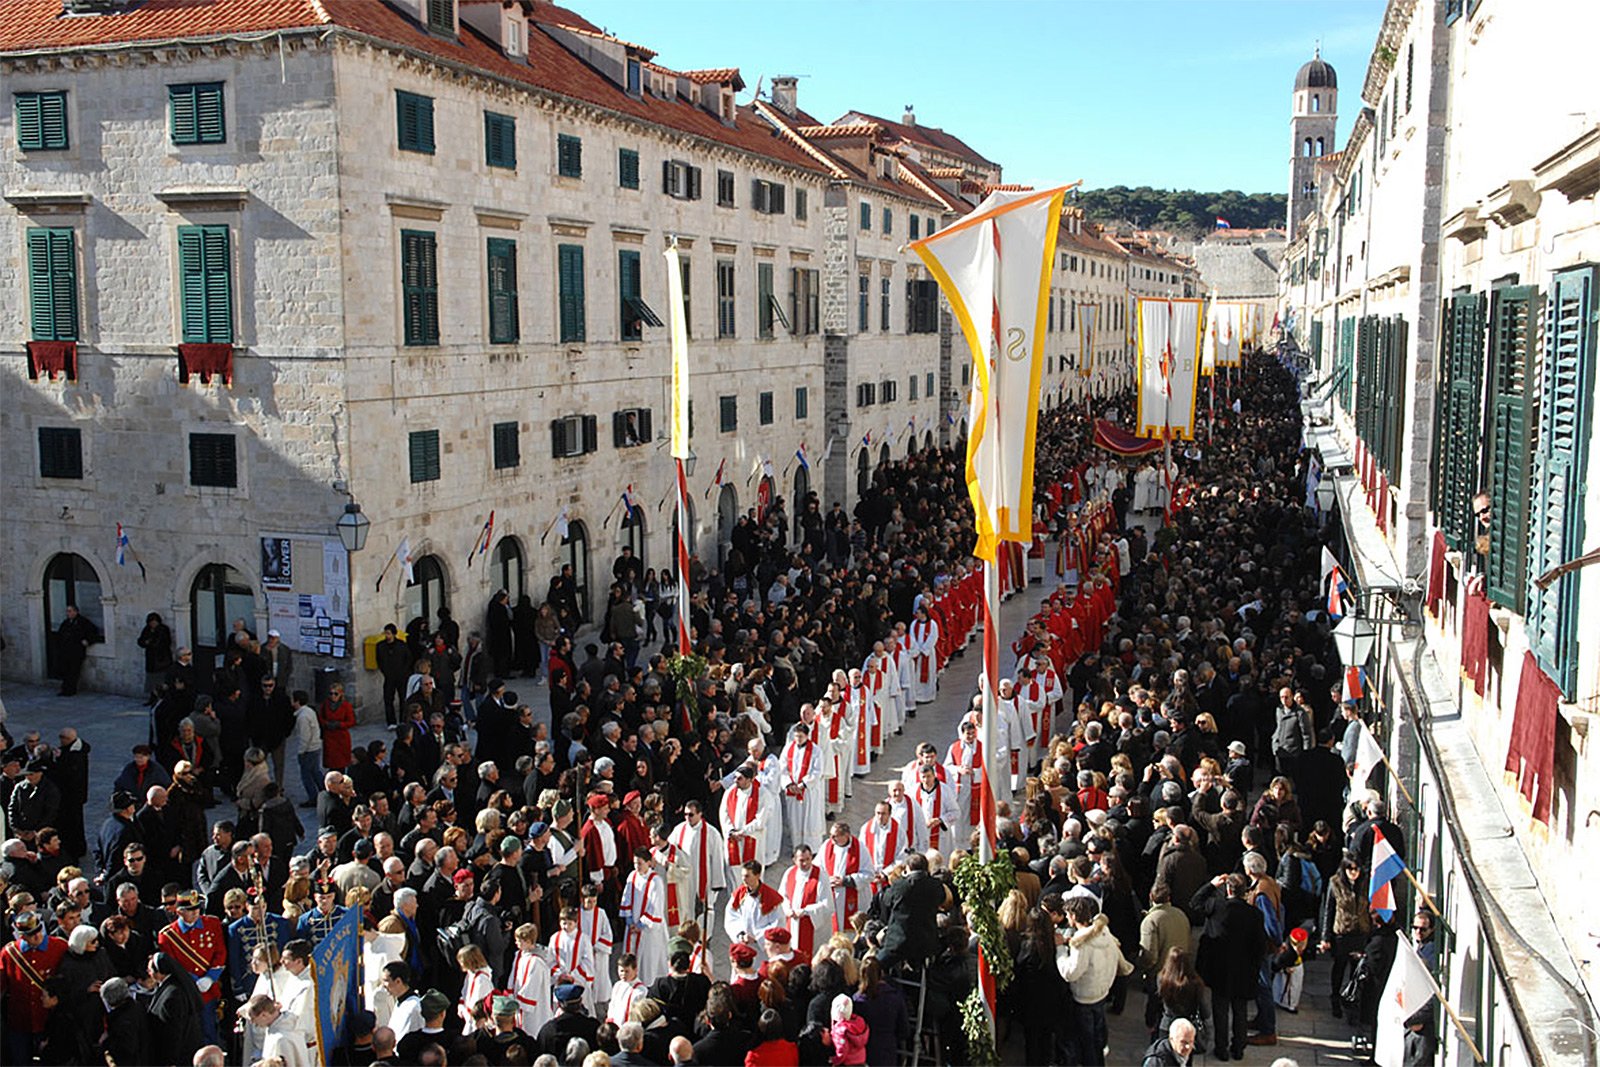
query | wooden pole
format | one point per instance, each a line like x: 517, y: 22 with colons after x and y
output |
x: 1461, y: 1028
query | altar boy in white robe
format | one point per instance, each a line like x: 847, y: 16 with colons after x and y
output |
x: 800, y: 773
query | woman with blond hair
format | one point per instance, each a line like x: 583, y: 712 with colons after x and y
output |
x: 476, y: 986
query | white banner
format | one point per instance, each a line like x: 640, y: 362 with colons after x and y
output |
x: 1169, y: 367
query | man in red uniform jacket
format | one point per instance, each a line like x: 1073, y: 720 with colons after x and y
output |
x: 601, y: 852
x: 199, y: 944
x: 26, y: 964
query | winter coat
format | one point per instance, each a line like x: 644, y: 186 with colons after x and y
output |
x: 1232, y: 947
x: 888, y: 1023
x: 1160, y: 1054
x: 849, y: 1040
x: 1090, y: 961
x: 1344, y: 908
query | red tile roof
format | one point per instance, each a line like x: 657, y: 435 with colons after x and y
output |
x: 854, y: 129
x: 30, y: 24
x: 37, y: 24
x: 715, y: 76
x: 928, y: 135
x: 914, y: 185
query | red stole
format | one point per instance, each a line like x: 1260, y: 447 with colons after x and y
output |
x: 938, y: 807
x: 746, y: 851
x: 801, y: 926
x: 767, y: 898
x: 672, y: 889
x: 641, y: 909
x: 891, y: 841
x: 842, y: 868
x: 805, y: 766
x: 589, y: 921
x: 877, y: 720
x: 960, y: 757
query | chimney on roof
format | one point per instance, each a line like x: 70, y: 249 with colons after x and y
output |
x: 785, y: 90
x: 909, y: 118
x: 92, y: 7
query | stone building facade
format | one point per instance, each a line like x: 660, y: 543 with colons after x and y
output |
x: 1444, y: 291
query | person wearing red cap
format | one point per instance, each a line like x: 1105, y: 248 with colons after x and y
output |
x: 632, y: 834
x: 199, y: 946
x: 700, y: 849
x: 753, y: 908
x: 601, y: 852
x: 744, y: 983
x: 780, y: 949
x: 643, y: 914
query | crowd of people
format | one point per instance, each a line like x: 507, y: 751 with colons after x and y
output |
x: 547, y: 887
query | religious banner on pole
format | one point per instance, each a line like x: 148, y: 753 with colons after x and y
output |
x: 1225, y: 317
x: 334, y: 966
x: 1087, y: 314
x: 1169, y: 367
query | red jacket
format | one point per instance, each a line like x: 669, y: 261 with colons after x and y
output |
x: 22, y: 975
x: 336, y: 723
x: 776, y: 1053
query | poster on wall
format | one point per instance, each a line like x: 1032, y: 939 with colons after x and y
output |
x: 307, y: 583
x: 277, y: 563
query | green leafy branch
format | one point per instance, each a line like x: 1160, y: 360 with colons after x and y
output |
x: 983, y: 886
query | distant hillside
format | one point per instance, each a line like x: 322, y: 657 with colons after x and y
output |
x: 1182, y: 211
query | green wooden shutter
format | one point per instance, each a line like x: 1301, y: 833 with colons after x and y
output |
x: 628, y: 283
x: 569, y: 156
x: 1560, y: 469
x: 53, y: 283
x: 205, y: 270
x: 570, y: 286
x: 211, y: 122
x: 41, y: 120
x: 424, y: 448
x: 419, y: 285
x: 1456, y: 464
x: 628, y: 168
x: 414, y: 115
x: 507, y: 446
x: 180, y: 101
x: 441, y: 17
x: 1511, y: 332
x: 500, y: 140
x: 503, y: 323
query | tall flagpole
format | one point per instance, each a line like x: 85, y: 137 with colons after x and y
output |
x: 991, y: 586
x: 683, y: 558
x: 680, y: 433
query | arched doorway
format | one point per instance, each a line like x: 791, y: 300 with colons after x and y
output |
x: 693, y: 541
x: 219, y: 595
x: 505, y: 567
x: 631, y: 534
x: 766, y: 494
x: 927, y: 439
x: 576, y: 544
x: 863, y: 471
x: 425, y: 593
x: 727, y: 519
x: 884, y: 456
x: 69, y: 581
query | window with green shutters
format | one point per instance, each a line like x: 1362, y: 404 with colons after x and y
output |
x: 628, y: 288
x: 1345, y: 369
x: 1560, y: 471
x: 205, y: 270
x: 866, y: 217
x: 504, y: 326
x: 569, y: 156
x: 764, y: 414
x: 1513, y: 320
x: 424, y: 455
x: 507, y: 446
x: 764, y: 302
x: 888, y: 222
x: 883, y: 305
x: 60, y: 452
x: 569, y: 288
x: 726, y: 310
x: 42, y: 120
x: 53, y: 283
x: 863, y: 302
x: 196, y: 113
x: 802, y: 402
x: 1458, y: 416
x: 214, y: 460
x: 728, y: 414
x: 627, y: 168
x: 915, y: 227
x: 500, y: 140
x: 414, y: 115
x: 927, y: 384
x: 419, y: 286
x: 800, y: 211
x: 441, y: 16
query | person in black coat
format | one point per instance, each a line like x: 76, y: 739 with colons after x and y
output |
x: 1042, y: 996
x: 174, y: 1010
x: 156, y: 640
x: 524, y: 636
x: 1233, y: 941
x: 570, y: 1021
x: 73, y: 638
x: 1380, y: 952
x: 910, y: 916
x: 497, y: 619
x: 682, y: 992
x: 127, y: 1036
x: 724, y: 1041
x: 69, y: 770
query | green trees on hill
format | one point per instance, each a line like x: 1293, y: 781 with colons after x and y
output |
x: 1182, y: 211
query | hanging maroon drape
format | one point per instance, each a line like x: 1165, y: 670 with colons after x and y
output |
x: 1532, y: 755
x: 1475, y: 641
x: 50, y: 358
x: 205, y: 360
x: 1436, y: 574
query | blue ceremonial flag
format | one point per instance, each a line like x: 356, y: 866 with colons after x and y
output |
x: 334, y: 965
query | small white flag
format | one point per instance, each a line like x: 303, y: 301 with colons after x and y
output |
x: 1369, y: 754
x: 402, y: 556
x: 1409, y: 989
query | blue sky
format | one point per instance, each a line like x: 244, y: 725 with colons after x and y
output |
x: 1168, y: 93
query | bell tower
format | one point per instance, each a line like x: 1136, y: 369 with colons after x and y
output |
x: 1311, y: 130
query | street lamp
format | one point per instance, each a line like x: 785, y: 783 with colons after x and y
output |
x: 688, y: 463
x: 1326, y: 496
x: 1354, y: 638
x: 353, y: 527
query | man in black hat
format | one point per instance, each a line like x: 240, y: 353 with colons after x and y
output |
x: 34, y: 802
x: 116, y: 833
x: 570, y: 1021
x: 315, y: 924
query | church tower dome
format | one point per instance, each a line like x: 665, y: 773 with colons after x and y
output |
x: 1314, y: 115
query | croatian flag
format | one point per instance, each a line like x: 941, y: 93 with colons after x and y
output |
x: 716, y: 479
x: 866, y: 439
x: 627, y: 504
x: 1333, y: 575
x: 800, y: 457
x: 1355, y: 683
x: 1223, y: 224
x: 1386, y: 867
x: 122, y: 546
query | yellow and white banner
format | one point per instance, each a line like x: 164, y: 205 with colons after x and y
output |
x: 994, y: 268
x: 680, y: 355
x: 1208, y: 340
x: 1223, y: 329
x: 1087, y: 314
x: 1169, y: 367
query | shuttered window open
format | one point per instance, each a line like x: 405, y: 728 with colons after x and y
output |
x: 1560, y: 471
x: 1513, y: 328
x: 1459, y: 417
